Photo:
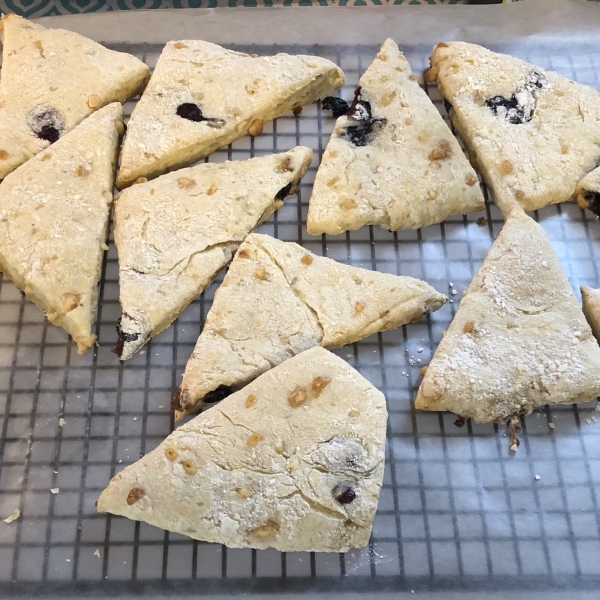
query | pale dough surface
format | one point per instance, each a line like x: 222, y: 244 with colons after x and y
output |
x: 411, y: 173
x: 530, y: 163
x: 265, y: 468
x: 175, y: 233
x: 278, y: 300
x: 232, y: 89
x: 53, y: 76
x: 519, y: 339
x: 591, y: 308
x: 54, y: 213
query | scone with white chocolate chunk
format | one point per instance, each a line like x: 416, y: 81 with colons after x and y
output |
x: 52, y: 79
x: 294, y: 461
x: 175, y: 233
x: 278, y: 300
x: 519, y: 339
x: 54, y: 213
x: 590, y: 300
x: 202, y: 97
x: 532, y: 133
x: 391, y: 160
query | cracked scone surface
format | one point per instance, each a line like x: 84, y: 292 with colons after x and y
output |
x: 54, y: 213
x: 391, y: 161
x: 278, y: 300
x: 519, y: 339
x: 590, y: 299
x: 202, y: 97
x: 52, y: 79
x: 175, y: 233
x: 294, y: 461
x: 532, y: 133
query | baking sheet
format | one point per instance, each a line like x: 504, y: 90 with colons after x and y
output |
x: 457, y: 512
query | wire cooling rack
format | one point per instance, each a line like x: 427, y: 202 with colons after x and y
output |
x: 456, y: 510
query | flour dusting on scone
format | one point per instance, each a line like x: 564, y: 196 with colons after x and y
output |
x: 391, y: 160
x: 52, y: 79
x: 174, y: 234
x: 519, y: 339
x: 278, y: 300
x: 54, y: 213
x: 532, y: 133
x: 202, y: 97
x: 294, y: 461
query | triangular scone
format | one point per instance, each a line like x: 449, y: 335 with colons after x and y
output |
x: 277, y: 300
x: 54, y: 213
x: 588, y: 191
x: 174, y: 234
x: 294, y: 461
x: 391, y: 160
x: 532, y: 133
x: 519, y: 339
x: 590, y: 300
x: 52, y: 79
x: 202, y: 96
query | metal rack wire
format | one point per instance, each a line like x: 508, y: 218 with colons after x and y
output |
x: 456, y: 511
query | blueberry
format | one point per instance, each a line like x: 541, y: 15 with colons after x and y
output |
x: 344, y: 493
x: 47, y: 123
x: 363, y: 133
x: 337, y: 106
x: 593, y: 201
x: 216, y: 395
x: 283, y: 192
x: 191, y: 112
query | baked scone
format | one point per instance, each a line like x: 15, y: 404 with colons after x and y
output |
x: 294, y: 461
x: 278, y: 300
x: 202, y: 96
x: 519, y: 339
x: 54, y: 213
x: 532, y: 133
x: 391, y: 160
x: 590, y: 299
x: 52, y: 79
x: 588, y: 191
x: 174, y: 234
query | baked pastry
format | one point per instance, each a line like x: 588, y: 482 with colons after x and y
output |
x: 532, y: 133
x: 519, y: 339
x: 278, y: 300
x: 591, y: 308
x: 54, y: 213
x: 202, y: 96
x: 391, y: 160
x: 174, y: 234
x: 588, y: 191
x: 294, y: 461
x: 52, y: 79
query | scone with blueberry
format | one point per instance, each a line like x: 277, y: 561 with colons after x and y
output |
x: 294, y: 461
x: 54, y: 213
x: 52, y: 79
x: 174, y: 234
x: 202, y: 97
x: 532, y: 133
x: 278, y: 300
x: 391, y: 160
